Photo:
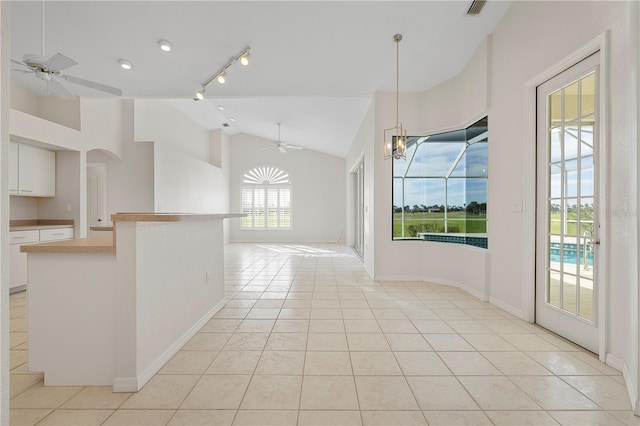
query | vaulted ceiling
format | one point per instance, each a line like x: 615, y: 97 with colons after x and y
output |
x: 314, y: 64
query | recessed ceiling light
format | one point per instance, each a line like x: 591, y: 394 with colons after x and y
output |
x: 165, y: 45
x: 124, y: 64
x: 232, y: 119
x: 220, y: 107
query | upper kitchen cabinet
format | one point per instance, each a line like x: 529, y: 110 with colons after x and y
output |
x: 35, y: 169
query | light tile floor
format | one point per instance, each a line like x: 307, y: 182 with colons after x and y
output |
x: 307, y: 338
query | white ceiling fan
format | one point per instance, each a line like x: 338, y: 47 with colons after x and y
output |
x: 282, y: 146
x: 48, y: 69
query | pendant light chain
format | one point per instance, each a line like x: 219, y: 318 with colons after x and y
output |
x: 395, y: 138
x: 397, y: 39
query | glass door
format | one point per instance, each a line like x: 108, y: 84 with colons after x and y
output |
x: 358, y: 176
x: 567, y: 210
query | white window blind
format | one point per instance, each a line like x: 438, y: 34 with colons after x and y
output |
x: 266, y: 199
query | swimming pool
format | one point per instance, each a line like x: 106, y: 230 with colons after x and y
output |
x: 569, y: 253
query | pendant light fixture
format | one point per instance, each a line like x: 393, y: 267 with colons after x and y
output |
x: 395, y: 138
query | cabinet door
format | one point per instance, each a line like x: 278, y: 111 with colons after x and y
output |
x: 13, y: 168
x: 36, y: 171
x: 56, y: 234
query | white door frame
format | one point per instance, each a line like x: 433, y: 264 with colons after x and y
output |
x: 103, y: 165
x: 600, y: 43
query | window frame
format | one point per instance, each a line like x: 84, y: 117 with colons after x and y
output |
x: 266, y: 187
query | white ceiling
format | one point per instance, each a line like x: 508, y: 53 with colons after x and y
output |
x: 314, y: 65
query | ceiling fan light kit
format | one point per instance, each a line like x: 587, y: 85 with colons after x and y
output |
x: 221, y: 74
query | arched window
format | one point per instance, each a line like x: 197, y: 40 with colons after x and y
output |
x: 266, y: 198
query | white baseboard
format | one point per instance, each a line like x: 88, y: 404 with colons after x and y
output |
x: 125, y: 384
x: 398, y: 278
x: 631, y: 391
x: 506, y: 307
x: 615, y: 362
x: 160, y: 361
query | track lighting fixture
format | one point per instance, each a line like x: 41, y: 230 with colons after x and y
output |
x: 221, y: 74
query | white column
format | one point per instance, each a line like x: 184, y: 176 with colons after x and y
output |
x: 4, y: 212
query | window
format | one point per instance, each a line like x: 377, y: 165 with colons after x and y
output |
x: 440, y: 191
x: 266, y: 199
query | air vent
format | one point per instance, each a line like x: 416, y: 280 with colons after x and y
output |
x: 476, y: 7
x: 225, y: 124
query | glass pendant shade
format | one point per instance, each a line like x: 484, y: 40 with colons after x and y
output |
x: 395, y: 142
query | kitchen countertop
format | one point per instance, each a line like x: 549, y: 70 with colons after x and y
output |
x: 37, y: 227
x: 106, y: 244
x: 36, y: 224
x: 170, y: 217
x: 103, y: 244
x: 101, y: 228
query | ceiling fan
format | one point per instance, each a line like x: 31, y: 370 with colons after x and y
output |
x: 282, y: 146
x: 48, y: 69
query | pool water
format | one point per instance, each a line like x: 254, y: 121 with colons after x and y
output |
x: 569, y: 254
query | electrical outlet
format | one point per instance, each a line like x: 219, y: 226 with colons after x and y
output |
x: 68, y: 208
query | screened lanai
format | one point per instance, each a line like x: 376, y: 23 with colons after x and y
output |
x: 440, y: 190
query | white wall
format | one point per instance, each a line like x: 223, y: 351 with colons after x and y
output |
x: 362, y: 150
x: 23, y: 207
x: 185, y: 184
x: 102, y: 124
x: 23, y: 100
x: 159, y: 121
x: 62, y: 111
x: 67, y: 204
x: 130, y: 179
x: 318, y: 191
x: 5, y: 47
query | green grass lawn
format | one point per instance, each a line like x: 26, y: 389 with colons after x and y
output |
x: 556, y: 224
x: 473, y: 224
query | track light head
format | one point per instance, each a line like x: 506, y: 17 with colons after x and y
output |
x: 222, y: 78
x: 244, y: 59
x: 200, y: 94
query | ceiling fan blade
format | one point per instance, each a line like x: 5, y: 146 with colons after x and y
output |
x: 59, y: 89
x: 58, y: 62
x: 20, y: 63
x: 281, y: 148
x: 23, y: 71
x: 293, y: 146
x: 92, y: 85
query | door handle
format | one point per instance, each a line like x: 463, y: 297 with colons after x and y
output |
x: 99, y: 220
x: 596, y: 242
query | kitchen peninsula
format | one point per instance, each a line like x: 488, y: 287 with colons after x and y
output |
x: 113, y: 310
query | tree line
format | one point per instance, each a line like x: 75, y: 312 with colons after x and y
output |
x: 473, y: 208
